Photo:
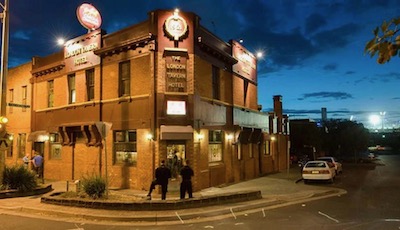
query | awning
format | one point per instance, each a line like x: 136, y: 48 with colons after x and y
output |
x: 176, y: 132
x: 38, y: 136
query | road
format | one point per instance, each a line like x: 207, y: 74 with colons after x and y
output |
x: 372, y: 202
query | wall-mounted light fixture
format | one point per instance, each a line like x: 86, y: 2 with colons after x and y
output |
x: 273, y: 138
x: 229, y: 137
x: 149, y: 136
x: 200, y: 136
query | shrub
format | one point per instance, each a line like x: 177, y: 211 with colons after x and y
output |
x: 20, y: 178
x: 94, y: 186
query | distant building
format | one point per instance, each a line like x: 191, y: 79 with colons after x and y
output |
x: 164, y: 89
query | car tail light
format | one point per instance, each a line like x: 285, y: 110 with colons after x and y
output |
x: 324, y: 172
x: 307, y: 172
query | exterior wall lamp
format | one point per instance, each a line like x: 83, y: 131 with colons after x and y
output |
x: 229, y: 137
x: 149, y: 136
x: 273, y: 138
x: 200, y: 136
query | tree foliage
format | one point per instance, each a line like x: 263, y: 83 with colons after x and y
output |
x: 386, y: 41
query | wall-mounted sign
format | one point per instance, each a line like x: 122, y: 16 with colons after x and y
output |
x: 176, y: 107
x: 79, y: 52
x: 175, y: 73
x: 89, y: 16
x: 247, y: 62
x: 175, y: 27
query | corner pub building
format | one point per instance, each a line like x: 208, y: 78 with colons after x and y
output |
x: 164, y: 89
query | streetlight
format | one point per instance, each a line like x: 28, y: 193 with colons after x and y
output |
x: 374, y: 119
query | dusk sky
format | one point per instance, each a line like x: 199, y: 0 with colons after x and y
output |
x: 313, y: 49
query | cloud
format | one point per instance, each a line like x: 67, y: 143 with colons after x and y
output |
x: 23, y: 35
x: 336, y: 38
x: 326, y: 95
x: 330, y: 67
x: 314, y: 22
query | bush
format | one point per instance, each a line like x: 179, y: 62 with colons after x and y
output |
x: 94, y: 186
x: 20, y: 178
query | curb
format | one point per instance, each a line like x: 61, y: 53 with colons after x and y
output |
x: 156, y: 205
x: 16, y: 193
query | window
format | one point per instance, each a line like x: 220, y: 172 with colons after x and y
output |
x: 11, y: 95
x: 50, y: 93
x: 215, y: 145
x: 267, y: 148
x: 90, y: 84
x: 10, y: 148
x: 21, y: 143
x: 124, y: 78
x: 125, y: 147
x: 215, y: 83
x: 24, y: 97
x: 55, y: 146
x: 72, y: 89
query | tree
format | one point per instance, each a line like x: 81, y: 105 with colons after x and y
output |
x: 385, y: 42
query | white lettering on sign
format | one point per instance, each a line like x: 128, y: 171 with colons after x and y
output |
x: 81, y: 60
x: 176, y: 66
x: 76, y: 49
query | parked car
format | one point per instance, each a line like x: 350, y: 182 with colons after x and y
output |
x: 338, y: 165
x: 318, y: 170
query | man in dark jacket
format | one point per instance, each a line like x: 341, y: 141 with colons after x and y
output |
x: 186, y: 184
x: 162, y: 176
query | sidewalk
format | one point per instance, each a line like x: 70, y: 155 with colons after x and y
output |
x: 277, y: 190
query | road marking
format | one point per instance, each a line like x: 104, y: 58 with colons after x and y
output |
x: 392, y: 220
x: 327, y: 216
x: 179, y: 217
x: 208, y: 226
x: 263, y: 212
x: 233, y: 214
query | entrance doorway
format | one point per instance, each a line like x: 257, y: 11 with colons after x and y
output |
x: 176, y: 154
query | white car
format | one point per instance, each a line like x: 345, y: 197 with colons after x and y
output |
x: 318, y: 170
x: 338, y: 165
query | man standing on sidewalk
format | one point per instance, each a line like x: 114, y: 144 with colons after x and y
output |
x: 162, y: 176
x: 186, y: 184
x: 37, y: 162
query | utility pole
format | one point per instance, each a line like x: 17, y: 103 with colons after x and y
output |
x: 3, y: 76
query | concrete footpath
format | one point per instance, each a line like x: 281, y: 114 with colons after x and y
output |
x: 277, y: 190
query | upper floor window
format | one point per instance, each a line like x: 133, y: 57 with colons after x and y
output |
x: 50, y: 93
x: 24, y: 97
x: 124, y: 78
x: 11, y: 95
x: 215, y: 83
x: 90, y: 84
x: 72, y: 89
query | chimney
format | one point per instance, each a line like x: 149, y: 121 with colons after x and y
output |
x: 278, y: 111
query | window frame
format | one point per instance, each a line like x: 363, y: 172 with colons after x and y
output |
x: 71, y: 88
x: 124, y: 78
x: 128, y: 146
x: 50, y: 93
x: 215, y: 143
x: 90, y: 81
x: 216, y: 83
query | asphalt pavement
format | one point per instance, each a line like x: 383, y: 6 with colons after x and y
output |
x: 277, y: 190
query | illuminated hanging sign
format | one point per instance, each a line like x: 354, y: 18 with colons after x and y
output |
x: 89, y: 16
x: 175, y: 27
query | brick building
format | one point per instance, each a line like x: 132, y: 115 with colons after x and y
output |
x: 166, y: 88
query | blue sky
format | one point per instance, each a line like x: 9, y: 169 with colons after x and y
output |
x: 314, y: 49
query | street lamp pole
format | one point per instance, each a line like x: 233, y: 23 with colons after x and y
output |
x: 4, y: 58
x: 3, y: 74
